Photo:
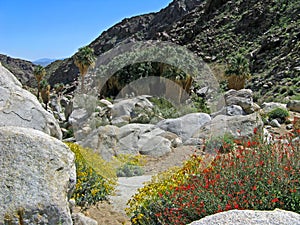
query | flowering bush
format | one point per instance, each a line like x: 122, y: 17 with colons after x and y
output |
x: 95, y: 177
x: 255, y: 175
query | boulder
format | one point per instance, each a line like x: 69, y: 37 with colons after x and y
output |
x: 294, y: 105
x: 269, y: 106
x: 184, y: 126
x: 124, y: 110
x: 275, y: 123
x: 37, y: 177
x: 20, y: 108
x: 81, y: 219
x: 251, y: 217
x: 156, y: 146
x: 237, y: 126
x: 130, y: 139
x: 242, y: 98
x: 232, y: 110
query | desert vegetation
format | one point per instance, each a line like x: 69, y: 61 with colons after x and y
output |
x: 254, y: 175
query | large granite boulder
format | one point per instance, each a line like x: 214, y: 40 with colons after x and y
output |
x: 251, y: 217
x: 242, y: 98
x: 269, y: 106
x: 124, y: 110
x: 184, y: 126
x: 132, y: 138
x: 20, y: 108
x: 237, y: 126
x: 37, y: 178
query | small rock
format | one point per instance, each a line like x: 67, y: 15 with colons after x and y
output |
x: 265, y: 86
x: 294, y: 105
x: 275, y: 123
x: 80, y: 219
x: 268, y: 127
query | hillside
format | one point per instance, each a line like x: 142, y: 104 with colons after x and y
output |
x: 22, y: 69
x: 266, y: 32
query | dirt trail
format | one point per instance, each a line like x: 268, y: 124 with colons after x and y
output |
x: 112, y: 212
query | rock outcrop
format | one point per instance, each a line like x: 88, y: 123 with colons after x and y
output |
x: 132, y: 138
x: 37, y: 178
x: 20, y: 108
x: 251, y: 217
x: 269, y: 106
x: 237, y: 126
x: 242, y: 98
x: 185, y: 126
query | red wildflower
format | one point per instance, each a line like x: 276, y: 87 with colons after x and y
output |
x: 274, y: 200
x: 228, y: 207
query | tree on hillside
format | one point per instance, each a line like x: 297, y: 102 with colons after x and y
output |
x: 84, y: 58
x: 39, y: 72
x: 237, y: 72
x: 45, y: 92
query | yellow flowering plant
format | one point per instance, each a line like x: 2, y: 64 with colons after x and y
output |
x: 95, y: 177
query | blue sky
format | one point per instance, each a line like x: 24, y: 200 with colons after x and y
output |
x: 35, y: 29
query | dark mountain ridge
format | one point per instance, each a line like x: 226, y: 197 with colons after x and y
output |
x: 22, y: 69
x: 266, y: 32
x: 137, y: 28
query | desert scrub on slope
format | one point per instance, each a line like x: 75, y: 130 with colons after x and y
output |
x: 95, y: 177
x: 255, y: 175
x: 128, y: 165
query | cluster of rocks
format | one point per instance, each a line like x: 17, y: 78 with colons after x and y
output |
x: 122, y: 134
x: 38, y: 173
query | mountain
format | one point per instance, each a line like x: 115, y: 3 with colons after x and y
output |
x: 22, y: 69
x: 267, y: 32
x: 44, y: 61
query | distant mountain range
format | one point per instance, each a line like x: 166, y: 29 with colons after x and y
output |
x: 43, y: 61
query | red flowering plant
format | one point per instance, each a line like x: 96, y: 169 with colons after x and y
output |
x: 255, y: 175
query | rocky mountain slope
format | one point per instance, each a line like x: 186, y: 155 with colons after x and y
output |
x: 22, y: 69
x: 266, y: 32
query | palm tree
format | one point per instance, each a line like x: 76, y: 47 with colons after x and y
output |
x: 39, y: 72
x: 84, y: 58
x: 238, y: 72
x: 45, y: 92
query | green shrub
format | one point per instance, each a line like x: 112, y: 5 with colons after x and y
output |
x: 95, y: 177
x: 128, y: 165
x: 128, y: 170
x: 279, y: 113
x: 222, y: 144
x: 256, y: 176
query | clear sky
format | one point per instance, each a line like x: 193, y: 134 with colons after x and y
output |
x: 35, y: 29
